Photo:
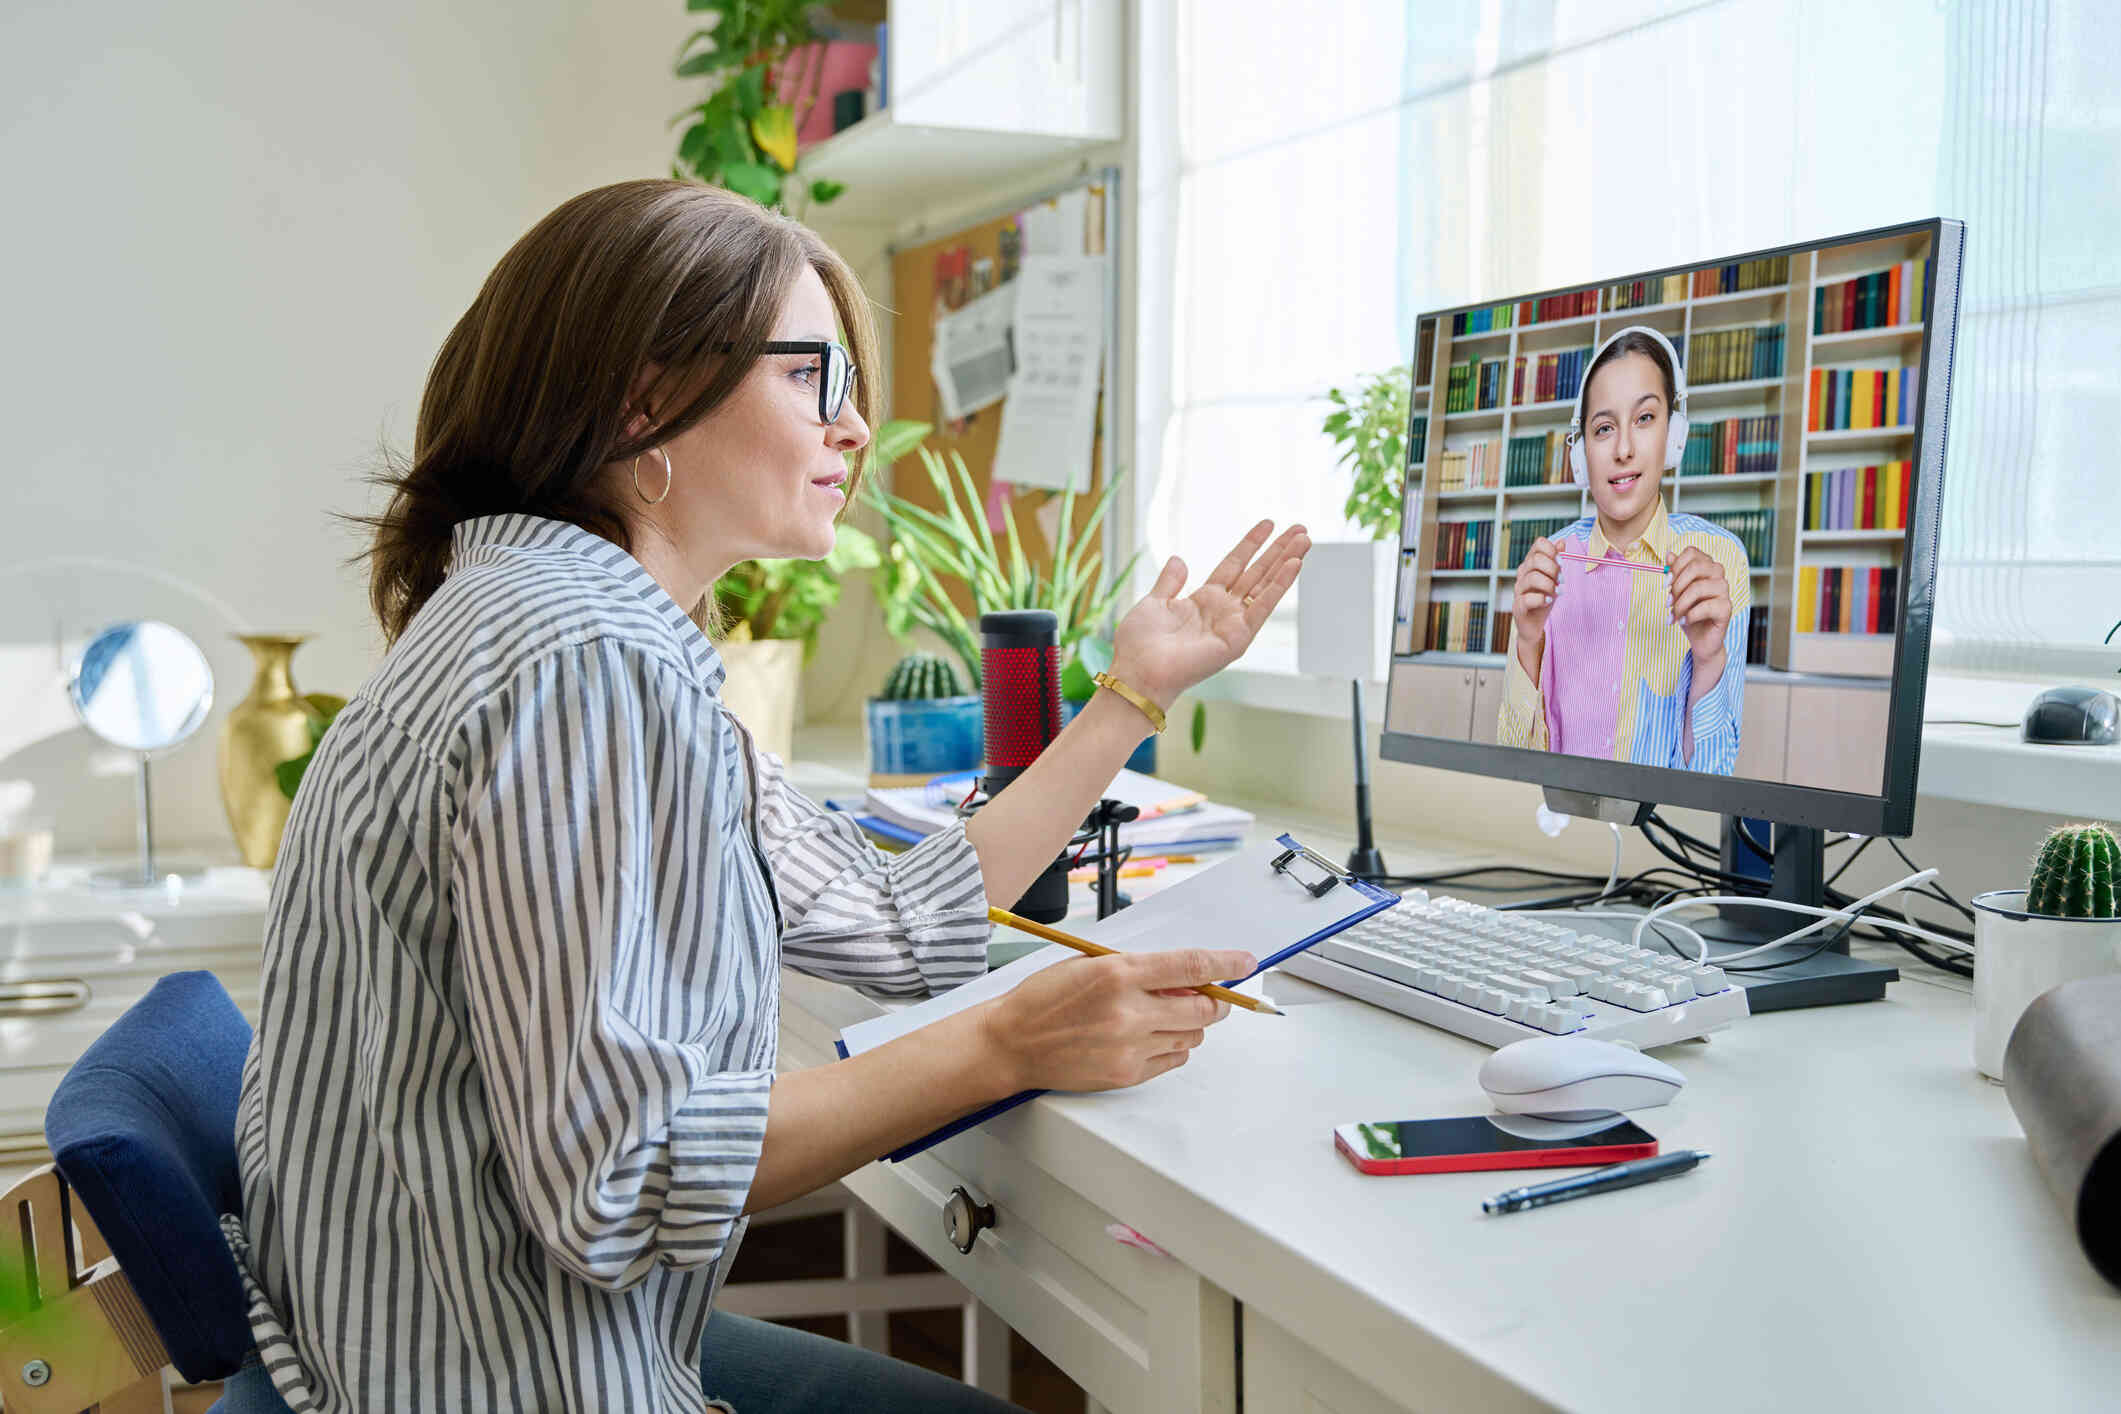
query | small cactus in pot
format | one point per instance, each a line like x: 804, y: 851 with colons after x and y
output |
x: 919, y: 676
x: 2074, y: 876
x: 924, y: 723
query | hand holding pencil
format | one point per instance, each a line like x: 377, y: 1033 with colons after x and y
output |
x: 1105, y: 1022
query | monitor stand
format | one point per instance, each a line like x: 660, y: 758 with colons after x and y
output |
x: 1799, y: 876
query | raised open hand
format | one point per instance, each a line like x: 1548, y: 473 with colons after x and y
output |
x: 1165, y: 644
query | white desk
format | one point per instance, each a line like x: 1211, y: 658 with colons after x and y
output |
x: 1871, y: 1233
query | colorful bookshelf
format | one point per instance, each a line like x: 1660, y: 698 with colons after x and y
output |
x: 1801, y: 401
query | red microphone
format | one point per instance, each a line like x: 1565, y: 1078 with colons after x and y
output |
x: 1020, y: 682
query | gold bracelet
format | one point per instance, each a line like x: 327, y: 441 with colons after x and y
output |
x: 1149, y: 709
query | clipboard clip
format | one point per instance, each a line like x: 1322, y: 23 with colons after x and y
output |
x: 1329, y: 875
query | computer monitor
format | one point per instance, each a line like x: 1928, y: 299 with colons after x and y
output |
x: 1796, y: 513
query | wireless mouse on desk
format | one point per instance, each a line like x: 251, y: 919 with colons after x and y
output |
x: 1574, y: 1077
x: 2073, y: 716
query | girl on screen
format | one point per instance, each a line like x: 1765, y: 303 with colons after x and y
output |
x: 1642, y: 660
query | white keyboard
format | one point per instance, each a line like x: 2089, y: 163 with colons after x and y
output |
x: 1500, y: 977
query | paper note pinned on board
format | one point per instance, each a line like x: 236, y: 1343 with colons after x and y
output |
x: 971, y: 357
x: 1050, y: 419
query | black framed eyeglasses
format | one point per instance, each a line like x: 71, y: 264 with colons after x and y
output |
x: 835, y: 371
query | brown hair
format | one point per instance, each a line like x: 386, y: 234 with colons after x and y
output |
x: 1632, y: 343
x: 530, y: 394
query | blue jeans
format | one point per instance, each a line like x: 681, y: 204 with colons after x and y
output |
x: 755, y: 1367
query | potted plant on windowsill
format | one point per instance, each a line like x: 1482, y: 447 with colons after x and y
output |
x: 2065, y: 925
x: 772, y: 610
x: 932, y: 551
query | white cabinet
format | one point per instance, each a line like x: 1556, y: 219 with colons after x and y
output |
x: 105, y: 948
x: 1021, y: 66
x: 981, y: 94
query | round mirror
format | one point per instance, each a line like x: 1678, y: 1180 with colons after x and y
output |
x: 142, y: 685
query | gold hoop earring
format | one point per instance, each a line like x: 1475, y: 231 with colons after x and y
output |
x: 667, y: 478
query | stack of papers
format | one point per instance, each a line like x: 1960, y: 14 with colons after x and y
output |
x: 1172, y: 817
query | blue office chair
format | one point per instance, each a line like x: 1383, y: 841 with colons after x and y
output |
x: 142, y: 1132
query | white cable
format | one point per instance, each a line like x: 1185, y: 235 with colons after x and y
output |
x: 1824, y: 915
x: 1614, y: 877
x: 1614, y: 915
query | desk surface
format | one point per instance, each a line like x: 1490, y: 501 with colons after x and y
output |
x: 1872, y: 1231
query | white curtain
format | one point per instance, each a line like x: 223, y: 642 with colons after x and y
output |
x: 1330, y: 172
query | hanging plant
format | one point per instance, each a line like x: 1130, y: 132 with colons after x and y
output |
x: 736, y: 138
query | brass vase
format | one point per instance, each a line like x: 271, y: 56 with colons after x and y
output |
x: 267, y: 727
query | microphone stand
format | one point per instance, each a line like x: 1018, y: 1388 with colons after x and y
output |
x: 1364, y: 861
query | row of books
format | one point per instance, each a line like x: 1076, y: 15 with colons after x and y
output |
x: 1418, y: 439
x: 1457, y: 626
x: 1859, y: 497
x: 1538, y: 459
x: 1483, y: 321
x: 1878, y: 300
x: 1454, y: 627
x: 1764, y: 273
x: 1733, y: 355
x: 1756, y: 635
x: 1473, y: 467
x: 1755, y: 531
x: 1475, y: 385
x: 1736, y: 446
x: 1518, y: 535
x: 1548, y: 377
x: 1860, y: 397
x: 1465, y: 544
x: 1846, y: 598
x: 1641, y: 294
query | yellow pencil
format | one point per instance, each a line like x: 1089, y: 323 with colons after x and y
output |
x: 1090, y: 949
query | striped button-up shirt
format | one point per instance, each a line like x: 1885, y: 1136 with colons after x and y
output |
x: 520, y: 1003
x: 1616, y: 672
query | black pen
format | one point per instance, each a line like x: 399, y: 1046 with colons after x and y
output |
x: 1605, y: 1180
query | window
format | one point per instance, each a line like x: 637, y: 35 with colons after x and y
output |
x: 1313, y: 178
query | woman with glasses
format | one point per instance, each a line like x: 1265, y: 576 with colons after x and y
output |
x: 512, y: 1091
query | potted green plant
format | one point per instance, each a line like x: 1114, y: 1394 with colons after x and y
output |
x: 743, y: 135
x: 1369, y: 425
x: 2064, y: 925
x: 931, y: 549
x: 771, y: 610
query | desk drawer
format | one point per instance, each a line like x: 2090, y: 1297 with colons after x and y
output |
x: 1142, y: 1334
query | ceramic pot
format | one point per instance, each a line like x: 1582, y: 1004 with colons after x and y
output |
x: 2019, y: 955
x: 764, y: 683
x: 925, y: 736
x: 270, y: 725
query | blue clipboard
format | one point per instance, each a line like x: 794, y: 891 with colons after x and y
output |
x: 1301, y: 868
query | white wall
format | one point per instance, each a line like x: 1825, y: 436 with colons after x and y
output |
x: 234, y: 236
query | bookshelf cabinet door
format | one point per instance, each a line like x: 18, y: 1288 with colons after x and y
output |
x: 1487, y: 704
x: 1763, y: 736
x: 1837, y: 737
x: 1431, y: 701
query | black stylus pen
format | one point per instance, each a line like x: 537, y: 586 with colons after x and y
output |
x: 1605, y: 1180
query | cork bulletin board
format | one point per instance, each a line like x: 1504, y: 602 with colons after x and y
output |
x: 943, y: 274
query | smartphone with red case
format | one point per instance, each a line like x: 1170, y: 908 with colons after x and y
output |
x: 1490, y: 1142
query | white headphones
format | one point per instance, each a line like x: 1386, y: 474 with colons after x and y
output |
x: 1675, y: 428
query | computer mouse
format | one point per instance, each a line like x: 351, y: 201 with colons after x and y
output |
x: 2074, y: 716
x: 1575, y: 1077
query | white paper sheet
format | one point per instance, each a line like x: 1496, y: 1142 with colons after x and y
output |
x: 1240, y: 903
x: 1050, y: 419
x: 971, y: 357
